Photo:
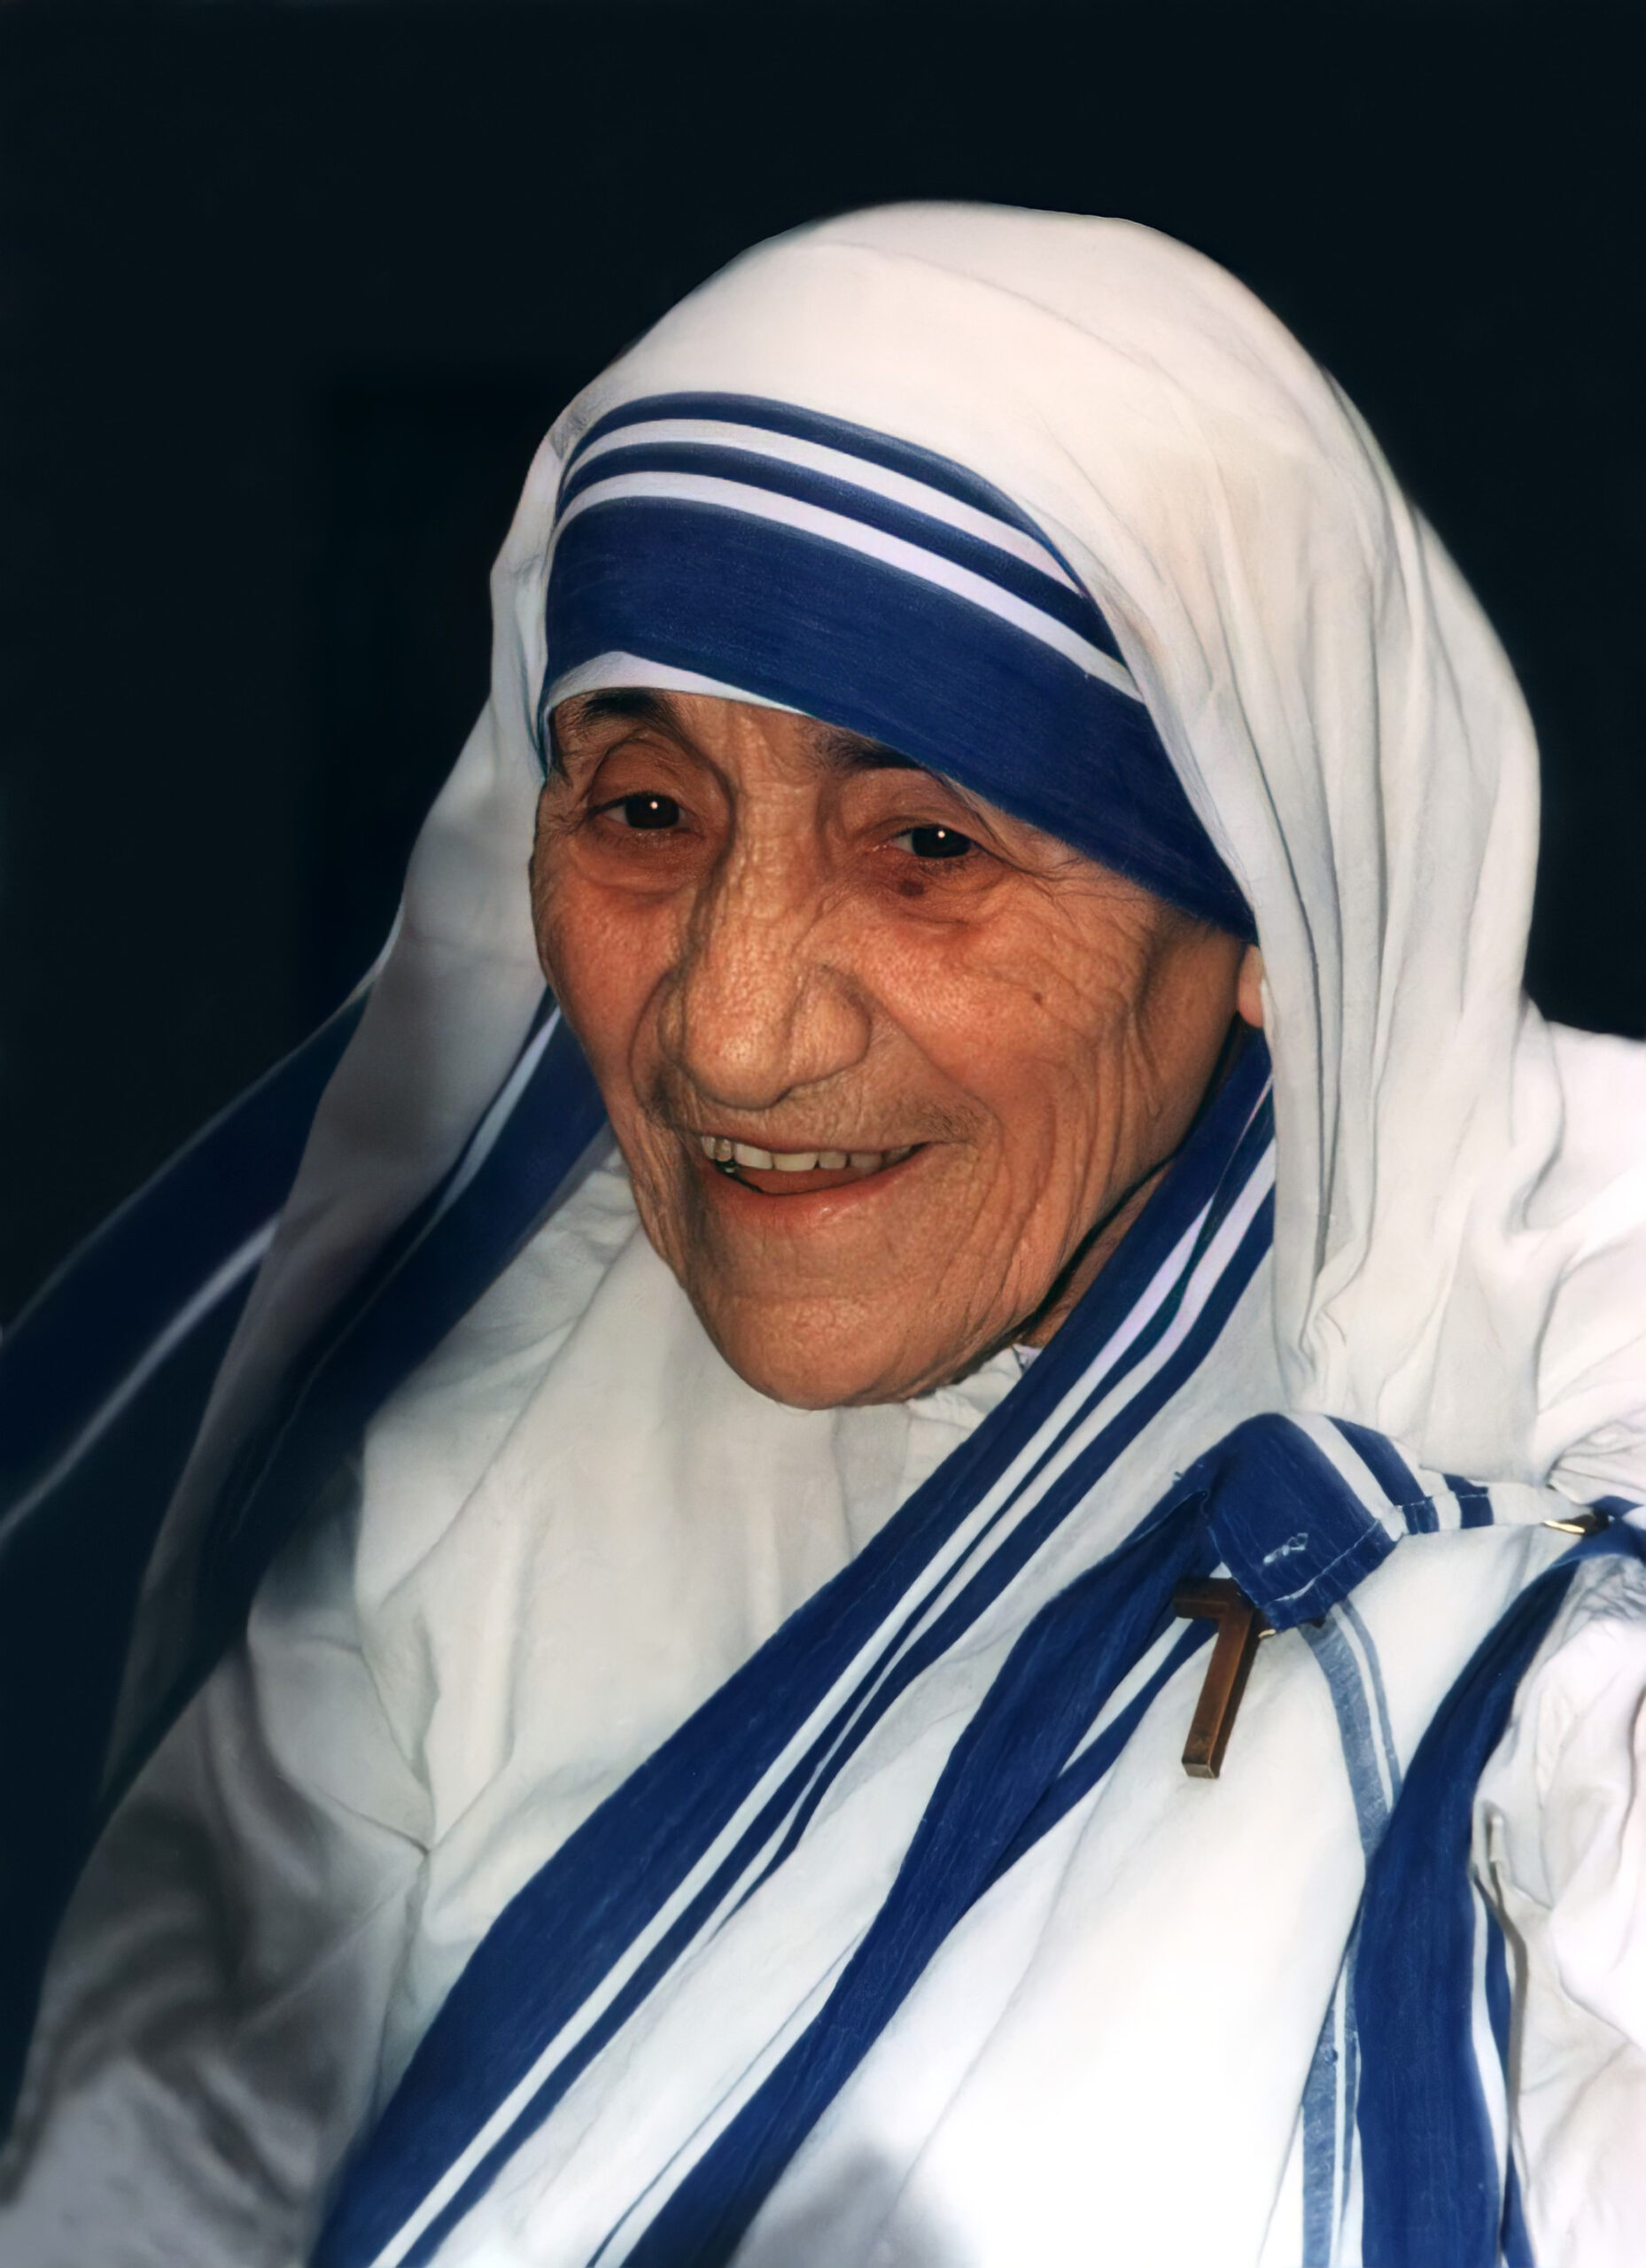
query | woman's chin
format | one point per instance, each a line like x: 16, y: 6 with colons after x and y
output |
x: 825, y: 1362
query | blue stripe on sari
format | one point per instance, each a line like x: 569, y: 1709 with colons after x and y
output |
x: 1474, y: 1505
x: 1348, y: 1655
x: 1388, y: 1467
x: 1081, y: 1775
x: 1516, y: 2240
x: 1349, y: 1701
x: 1367, y: 1644
x: 1433, y: 2185
x: 887, y: 516
x: 1328, y: 2119
x: 905, y: 458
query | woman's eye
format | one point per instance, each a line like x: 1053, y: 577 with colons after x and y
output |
x: 934, y: 842
x: 644, y: 813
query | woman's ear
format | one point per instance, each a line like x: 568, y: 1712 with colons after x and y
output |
x: 1249, y: 988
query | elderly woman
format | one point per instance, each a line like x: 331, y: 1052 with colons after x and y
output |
x: 656, y: 1717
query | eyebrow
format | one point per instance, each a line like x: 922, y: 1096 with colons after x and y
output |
x: 633, y: 703
x: 839, y: 749
x: 853, y: 752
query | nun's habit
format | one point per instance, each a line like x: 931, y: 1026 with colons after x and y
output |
x: 561, y: 1806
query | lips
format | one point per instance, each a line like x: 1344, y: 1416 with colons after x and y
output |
x: 794, y: 1173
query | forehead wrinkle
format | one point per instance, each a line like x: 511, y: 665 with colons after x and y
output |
x: 633, y: 704
x: 845, y: 751
x: 623, y: 701
x: 837, y: 749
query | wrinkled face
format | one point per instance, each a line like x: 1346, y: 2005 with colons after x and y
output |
x: 891, y: 1070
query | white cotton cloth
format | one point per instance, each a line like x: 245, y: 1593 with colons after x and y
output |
x: 1560, y: 1842
x: 420, y: 1712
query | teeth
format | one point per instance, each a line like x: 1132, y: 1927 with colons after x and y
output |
x: 721, y: 1150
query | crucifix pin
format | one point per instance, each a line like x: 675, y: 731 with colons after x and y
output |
x: 1239, y: 1627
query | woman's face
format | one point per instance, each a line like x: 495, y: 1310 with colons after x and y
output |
x: 937, y: 1047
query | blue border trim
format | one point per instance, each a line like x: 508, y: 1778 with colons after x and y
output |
x: 767, y: 416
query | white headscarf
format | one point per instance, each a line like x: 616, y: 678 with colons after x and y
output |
x: 1461, y: 1232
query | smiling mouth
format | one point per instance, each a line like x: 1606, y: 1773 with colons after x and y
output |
x: 794, y: 1173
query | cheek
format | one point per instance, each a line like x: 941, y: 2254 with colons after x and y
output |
x: 1037, y: 1024
x: 1024, y: 1020
x: 604, y: 957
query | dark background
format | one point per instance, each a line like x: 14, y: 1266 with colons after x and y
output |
x: 289, y: 293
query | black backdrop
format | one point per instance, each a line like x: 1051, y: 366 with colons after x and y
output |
x: 289, y: 292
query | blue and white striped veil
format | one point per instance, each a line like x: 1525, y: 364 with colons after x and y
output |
x: 1052, y: 505
x: 915, y: 604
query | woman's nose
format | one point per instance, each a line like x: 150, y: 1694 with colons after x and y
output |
x: 760, y: 1006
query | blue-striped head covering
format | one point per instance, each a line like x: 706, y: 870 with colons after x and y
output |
x: 725, y: 544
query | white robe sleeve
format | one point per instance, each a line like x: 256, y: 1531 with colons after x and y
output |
x: 211, y: 2025
x: 1560, y: 1844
